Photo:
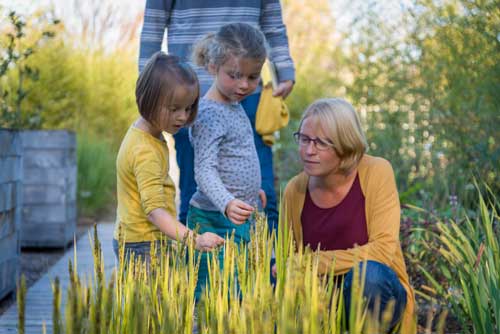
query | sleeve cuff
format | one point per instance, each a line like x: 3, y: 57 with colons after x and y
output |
x: 224, y: 202
x: 153, y: 206
x: 285, y: 74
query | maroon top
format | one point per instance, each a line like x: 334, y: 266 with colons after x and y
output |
x: 338, y: 227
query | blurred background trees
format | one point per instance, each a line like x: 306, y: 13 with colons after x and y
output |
x: 425, y: 78
x: 423, y: 74
x: 78, y: 82
x: 425, y: 81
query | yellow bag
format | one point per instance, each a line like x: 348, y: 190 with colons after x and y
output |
x: 272, y: 113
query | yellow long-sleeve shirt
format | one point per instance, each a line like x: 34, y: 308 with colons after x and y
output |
x: 382, y: 210
x: 143, y: 184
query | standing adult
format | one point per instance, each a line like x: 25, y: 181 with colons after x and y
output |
x: 345, y: 204
x: 184, y: 22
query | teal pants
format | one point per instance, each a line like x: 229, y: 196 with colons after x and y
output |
x: 215, y: 222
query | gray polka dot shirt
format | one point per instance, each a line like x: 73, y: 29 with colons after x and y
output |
x: 226, y: 165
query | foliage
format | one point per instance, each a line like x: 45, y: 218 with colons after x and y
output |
x: 87, y: 91
x: 56, y: 94
x: 84, y: 90
x: 21, y: 39
x: 318, y: 72
x: 96, y: 174
x: 418, y: 226
x: 461, y: 84
x: 470, y: 249
x: 427, y: 96
x: 21, y: 298
x: 418, y: 83
x: 420, y: 124
x: 108, y: 103
x: 159, y: 298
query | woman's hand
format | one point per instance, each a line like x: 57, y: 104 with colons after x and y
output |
x: 273, y: 270
x: 263, y: 198
x: 238, y: 211
x: 207, y: 241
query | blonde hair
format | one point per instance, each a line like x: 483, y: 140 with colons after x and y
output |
x: 341, y: 126
x: 239, y: 40
x: 157, y: 82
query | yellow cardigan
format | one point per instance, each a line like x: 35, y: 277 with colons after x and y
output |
x: 382, y: 210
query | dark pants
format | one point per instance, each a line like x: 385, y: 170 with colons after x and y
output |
x: 185, y: 160
x: 381, y: 286
x: 139, y: 250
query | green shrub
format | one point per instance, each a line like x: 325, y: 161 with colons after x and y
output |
x: 20, y: 39
x: 87, y: 91
x: 47, y: 82
x: 470, y: 250
x: 428, y: 99
x: 96, y: 175
x: 108, y: 93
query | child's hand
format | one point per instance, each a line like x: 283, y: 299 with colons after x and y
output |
x: 263, y: 198
x: 207, y: 241
x: 238, y: 211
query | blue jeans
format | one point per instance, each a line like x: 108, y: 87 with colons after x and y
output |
x: 265, y: 154
x: 185, y: 160
x: 381, y: 284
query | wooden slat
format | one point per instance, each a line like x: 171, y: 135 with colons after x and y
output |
x: 39, y: 296
x: 49, y: 197
x: 10, y: 201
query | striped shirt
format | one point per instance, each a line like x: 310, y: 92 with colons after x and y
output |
x: 187, y: 21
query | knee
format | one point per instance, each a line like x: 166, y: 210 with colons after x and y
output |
x: 378, y: 276
x: 379, y: 281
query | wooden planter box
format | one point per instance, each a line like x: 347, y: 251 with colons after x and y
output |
x: 10, y: 208
x: 49, y: 188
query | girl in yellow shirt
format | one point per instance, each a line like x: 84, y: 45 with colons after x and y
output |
x: 167, y: 94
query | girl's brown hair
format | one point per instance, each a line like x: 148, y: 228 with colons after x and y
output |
x: 157, y: 82
x: 236, y: 39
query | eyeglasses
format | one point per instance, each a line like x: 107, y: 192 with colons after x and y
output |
x: 320, y: 144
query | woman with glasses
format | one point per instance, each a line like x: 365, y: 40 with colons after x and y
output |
x: 345, y: 205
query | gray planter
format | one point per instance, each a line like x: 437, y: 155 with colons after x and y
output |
x: 49, y: 188
x: 10, y: 208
